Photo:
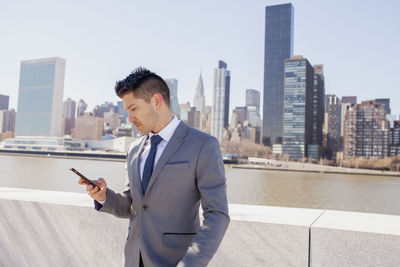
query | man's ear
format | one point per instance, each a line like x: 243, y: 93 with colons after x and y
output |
x: 158, y: 100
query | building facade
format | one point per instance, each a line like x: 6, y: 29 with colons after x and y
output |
x: 220, y: 108
x: 88, y: 127
x: 366, y: 132
x: 278, y: 47
x: 298, y: 103
x: 41, y: 88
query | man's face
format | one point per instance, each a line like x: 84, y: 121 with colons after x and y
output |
x: 142, y: 114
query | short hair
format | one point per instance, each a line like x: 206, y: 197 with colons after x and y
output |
x: 144, y: 84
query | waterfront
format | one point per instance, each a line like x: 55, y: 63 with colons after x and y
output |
x: 376, y: 194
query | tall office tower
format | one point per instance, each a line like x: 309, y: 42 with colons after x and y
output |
x: 347, y: 101
x: 241, y: 114
x: 173, y: 96
x: 278, y: 47
x: 205, y: 120
x: 81, y: 108
x: 199, y: 100
x: 317, y: 112
x: 366, y: 131
x: 4, y: 100
x: 298, y: 103
x: 69, y: 107
x: 220, y: 108
x: 7, y: 120
x: 252, y: 98
x: 122, y: 112
x: 41, y: 88
x: 333, y: 125
x: 253, y: 113
x: 88, y: 127
x: 394, y: 139
x: 386, y: 103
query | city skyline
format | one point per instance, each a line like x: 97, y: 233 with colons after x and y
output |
x: 344, y: 40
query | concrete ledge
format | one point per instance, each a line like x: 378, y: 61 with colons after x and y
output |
x: 50, y: 228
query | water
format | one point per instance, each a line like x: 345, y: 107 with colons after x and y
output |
x: 377, y: 194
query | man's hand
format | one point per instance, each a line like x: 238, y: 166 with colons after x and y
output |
x: 94, y: 192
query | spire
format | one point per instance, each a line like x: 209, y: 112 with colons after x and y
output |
x: 200, y: 86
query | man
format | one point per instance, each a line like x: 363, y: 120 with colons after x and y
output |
x: 170, y: 170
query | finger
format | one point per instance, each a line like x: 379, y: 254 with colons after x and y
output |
x: 94, y: 190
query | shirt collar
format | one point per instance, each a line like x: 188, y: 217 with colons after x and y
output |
x: 167, y: 132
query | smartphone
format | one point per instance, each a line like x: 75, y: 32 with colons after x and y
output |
x: 84, y: 178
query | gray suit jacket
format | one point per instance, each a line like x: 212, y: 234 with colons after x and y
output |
x: 164, y: 224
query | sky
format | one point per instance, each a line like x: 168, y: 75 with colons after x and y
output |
x: 357, y: 41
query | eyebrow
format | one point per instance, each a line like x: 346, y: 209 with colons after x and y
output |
x: 130, y: 106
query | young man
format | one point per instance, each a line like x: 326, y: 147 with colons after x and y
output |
x: 171, y: 169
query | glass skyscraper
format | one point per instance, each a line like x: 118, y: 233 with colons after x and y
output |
x: 220, y: 108
x: 173, y: 96
x: 4, y: 101
x: 40, y: 99
x: 278, y: 47
x: 298, y: 105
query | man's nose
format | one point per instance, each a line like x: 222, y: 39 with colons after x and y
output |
x: 132, y: 119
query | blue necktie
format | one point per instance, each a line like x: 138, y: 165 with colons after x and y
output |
x: 148, y: 166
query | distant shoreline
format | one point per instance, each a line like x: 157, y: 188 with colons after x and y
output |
x: 323, y: 169
x: 66, y: 154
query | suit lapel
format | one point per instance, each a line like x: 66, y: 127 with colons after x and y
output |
x: 136, y: 166
x: 173, y: 145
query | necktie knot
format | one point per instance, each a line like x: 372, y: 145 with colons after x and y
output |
x: 155, y: 139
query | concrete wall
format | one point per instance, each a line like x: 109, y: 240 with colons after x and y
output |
x: 49, y: 228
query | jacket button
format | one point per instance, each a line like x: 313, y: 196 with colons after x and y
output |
x: 145, y: 207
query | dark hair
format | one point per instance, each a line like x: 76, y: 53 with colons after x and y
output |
x: 144, y: 84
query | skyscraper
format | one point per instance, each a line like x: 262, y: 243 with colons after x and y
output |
x: 69, y: 107
x: 333, y: 125
x: 278, y: 47
x: 347, y: 101
x: 41, y: 88
x: 173, y: 96
x: 298, y: 103
x: 199, y: 99
x: 80, y: 110
x: 220, y: 109
x: 252, y: 98
x: 314, y: 148
x: 4, y: 101
x: 253, y: 112
x: 7, y: 120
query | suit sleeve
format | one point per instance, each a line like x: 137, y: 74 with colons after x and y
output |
x: 117, y: 204
x: 211, y: 182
